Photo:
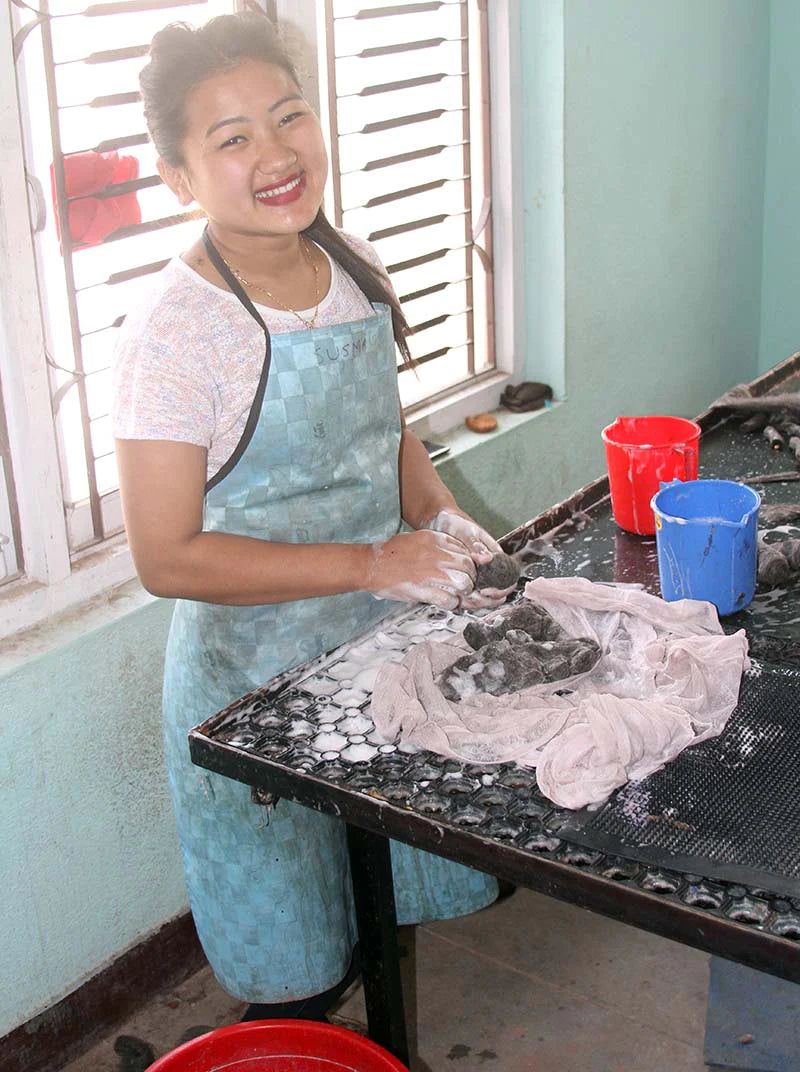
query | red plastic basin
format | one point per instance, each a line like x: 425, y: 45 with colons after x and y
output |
x: 279, y: 1046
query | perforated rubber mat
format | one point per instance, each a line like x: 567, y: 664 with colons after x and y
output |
x: 733, y: 798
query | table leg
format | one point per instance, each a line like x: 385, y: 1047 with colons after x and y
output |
x: 373, y: 891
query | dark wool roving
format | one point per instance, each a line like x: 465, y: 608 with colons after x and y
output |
x: 773, y: 567
x: 777, y: 513
x: 791, y: 551
x: 503, y: 666
x: 526, y: 616
x: 501, y: 572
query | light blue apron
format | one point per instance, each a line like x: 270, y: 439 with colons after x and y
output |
x: 270, y: 889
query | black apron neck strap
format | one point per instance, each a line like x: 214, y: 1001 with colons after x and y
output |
x: 216, y: 259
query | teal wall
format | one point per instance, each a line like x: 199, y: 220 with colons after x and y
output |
x: 87, y: 843
x: 664, y: 140
x: 780, y: 319
x: 665, y: 145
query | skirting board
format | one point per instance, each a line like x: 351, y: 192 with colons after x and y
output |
x: 54, y: 1037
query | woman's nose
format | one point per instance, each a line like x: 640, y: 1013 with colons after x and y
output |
x: 275, y: 156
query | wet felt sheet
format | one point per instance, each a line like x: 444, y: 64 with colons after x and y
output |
x: 726, y: 808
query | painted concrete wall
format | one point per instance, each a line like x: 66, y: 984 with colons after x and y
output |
x: 780, y: 319
x: 87, y: 845
x: 664, y: 140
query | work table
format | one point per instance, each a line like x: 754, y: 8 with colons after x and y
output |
x: 308, y: 736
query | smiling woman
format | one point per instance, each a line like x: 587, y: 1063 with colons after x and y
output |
x: 265, y: 472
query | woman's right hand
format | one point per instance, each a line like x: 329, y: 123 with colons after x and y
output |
x: 421, y: 567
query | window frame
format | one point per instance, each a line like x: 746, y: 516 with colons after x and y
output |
x: 54, y: 581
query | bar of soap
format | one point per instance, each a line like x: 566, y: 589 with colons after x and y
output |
x: 481, y: 422
x: 501, y: 572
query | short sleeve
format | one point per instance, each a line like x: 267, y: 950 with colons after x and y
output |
x: 159, y: 393
x: 162, y: 386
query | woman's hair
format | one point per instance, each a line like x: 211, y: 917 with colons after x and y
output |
x: 181, y: 58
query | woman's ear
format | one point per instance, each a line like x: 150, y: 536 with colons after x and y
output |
x: 175, y: 178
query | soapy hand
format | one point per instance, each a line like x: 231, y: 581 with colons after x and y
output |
x: 482, y: 548
x: 421, y: 567
x: 480, y: 598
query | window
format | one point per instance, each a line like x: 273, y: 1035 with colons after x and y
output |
x: 407, y: 112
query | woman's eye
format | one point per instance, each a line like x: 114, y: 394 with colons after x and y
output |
x: 289, y: 117
x: 232, y: 141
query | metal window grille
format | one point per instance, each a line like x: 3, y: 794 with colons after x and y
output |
x: 408, y: 110
x: 78, y: 74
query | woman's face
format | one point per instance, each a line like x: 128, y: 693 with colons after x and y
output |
x: 254, y: 158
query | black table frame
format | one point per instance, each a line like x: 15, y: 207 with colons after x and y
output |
x: 613, y: 889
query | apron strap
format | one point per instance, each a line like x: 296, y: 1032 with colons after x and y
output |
x: 255, y: 409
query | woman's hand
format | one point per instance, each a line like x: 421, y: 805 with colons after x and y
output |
x: 481, y: 546
x: 422, y: 567
x: 485, y: 598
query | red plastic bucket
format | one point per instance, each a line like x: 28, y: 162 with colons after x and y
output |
x: 279, y: 1046
x: 641, y: 452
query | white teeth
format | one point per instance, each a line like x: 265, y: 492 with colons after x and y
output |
x: 264, y: 195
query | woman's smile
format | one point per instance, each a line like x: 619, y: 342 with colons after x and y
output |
x: 282, y: 193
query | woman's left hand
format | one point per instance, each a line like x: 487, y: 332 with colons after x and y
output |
x: 485, y: 598
x: 482, y: 547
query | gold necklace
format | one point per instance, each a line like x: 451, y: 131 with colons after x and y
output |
x: 257, y: 286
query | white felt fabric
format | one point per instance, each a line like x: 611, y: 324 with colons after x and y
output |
x: 668, y: 677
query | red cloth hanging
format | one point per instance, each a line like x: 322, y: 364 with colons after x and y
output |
x: 91, y: 219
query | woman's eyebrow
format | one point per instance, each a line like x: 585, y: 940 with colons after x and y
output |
x: 225, y: 122
x: 283, y: 100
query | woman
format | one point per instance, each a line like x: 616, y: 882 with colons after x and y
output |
x: 264, y: 471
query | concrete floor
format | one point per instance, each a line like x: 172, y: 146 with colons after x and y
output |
x: 527, y: 985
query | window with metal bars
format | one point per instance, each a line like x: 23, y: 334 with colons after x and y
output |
x: 106, y: 220
x: 407, y: 112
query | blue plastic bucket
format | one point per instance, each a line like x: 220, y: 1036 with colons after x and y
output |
x: 706, y: 532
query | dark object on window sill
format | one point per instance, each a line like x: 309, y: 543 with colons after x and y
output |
x: 435, y: 450
x: 526, y: 396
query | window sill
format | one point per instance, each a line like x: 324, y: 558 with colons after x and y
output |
x: 439, y: 418
x: 69, y: 625
x: 99, y: 579
x: 459, y: 439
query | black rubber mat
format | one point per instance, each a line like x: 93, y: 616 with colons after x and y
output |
x: 728, y: 808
